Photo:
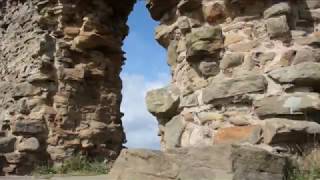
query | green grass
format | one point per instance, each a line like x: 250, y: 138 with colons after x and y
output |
x: 308, y: 167
x: 76, y: 166
x: 312, y: 174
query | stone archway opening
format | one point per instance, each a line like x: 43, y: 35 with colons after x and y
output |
x: 144, y: 69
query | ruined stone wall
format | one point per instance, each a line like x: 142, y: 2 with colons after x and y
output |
x: 60, y: 90
x: 243, y: 71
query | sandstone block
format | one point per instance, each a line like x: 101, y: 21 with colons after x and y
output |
x: 189, y: 101
x: 7, y: 144
x: 163, y: 102
x: 232, y: 38
x: 306, y: 55
x: 244, y: 46
x: 28, y: 145
x: 204, y: 42
x: 309, y: 4
x: 28, y: 128
x: 15, y: 157
x: 286, y: 131
x: 188, y: 5
x: 92, y: 40
x: 220, y: 89
x: 158, y: 8
x: 25, y: 89
x: 250, y: 164
x: 307, y: 73
x: 219, y: 162
x: 277, y: 27
x: 172, y: 54
x: 214, y: 12
x: 290, y: 104
x: 231, y: 60
x: 241, y: 134
x: 205, y: 117
x: 262, y: 58
x: 282, y: 8
x: 73, y: 74
x: 173, y: 131
x: 209, y: 68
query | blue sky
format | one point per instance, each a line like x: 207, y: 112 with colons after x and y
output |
x: 145, y: 69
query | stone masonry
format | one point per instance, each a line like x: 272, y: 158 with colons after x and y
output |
x: 243, y: 71
x: 60, y: 90
x: 245, y: 86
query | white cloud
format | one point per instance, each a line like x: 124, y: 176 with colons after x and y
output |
x: 140, y: 126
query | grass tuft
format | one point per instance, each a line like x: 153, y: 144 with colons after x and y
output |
x: 77, y: 165
x: 308, y: 167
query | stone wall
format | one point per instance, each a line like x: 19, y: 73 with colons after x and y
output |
x: 60, y: 90
x: 243, y: 71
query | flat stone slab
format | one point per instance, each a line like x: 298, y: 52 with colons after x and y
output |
x: 101, y: 177
x: 219, y: 162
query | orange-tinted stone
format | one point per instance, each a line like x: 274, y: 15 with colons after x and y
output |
x: 241, y: 134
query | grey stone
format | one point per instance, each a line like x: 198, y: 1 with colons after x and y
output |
x: 244, y: 46
x: 164, y: 34
x: 309, y: 4
x: 289, y: 104
x: 25, y: 89
x: 184, y: 25
x: 311, y: 40
x: 253, y: 164
x: 286, y: 131
x: 232, y: 87
x: 172, y: 54
x: 306, y: 74
x: 28, y: 128
x: 158, y: 8
x: 209, y: 68
x: 306, y: 55
x: 219, y: 162
x: 189, y: 101
x: 173, y: 131
x: 231, y: 60
x: 263, y: 57
x: 7, y: 144
x: 163, y: 102
x: 204, y: 42
x: 282, y: 8
x: 188, y: 5
x: 29, y: 145
x: 277, y: 27
x: 205, y: 117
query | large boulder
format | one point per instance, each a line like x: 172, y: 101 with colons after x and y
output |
x: 220, y: 162
x: 220, y: 89
x: 305, y: 74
